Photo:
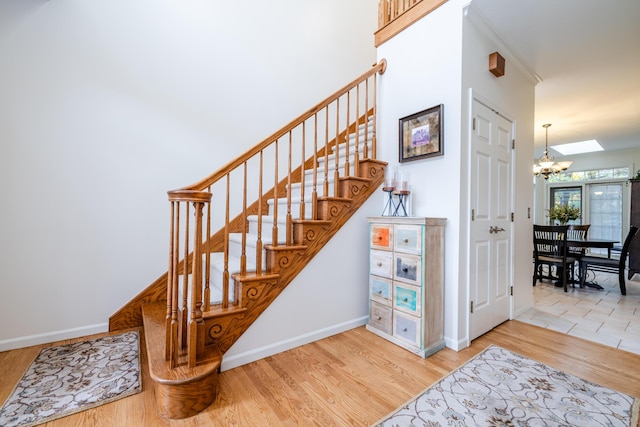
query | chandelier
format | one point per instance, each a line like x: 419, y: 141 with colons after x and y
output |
x: 546, y: 165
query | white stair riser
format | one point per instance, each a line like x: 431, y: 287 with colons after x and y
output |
x: 267, y: 228
x: 235, y: 250
x: 308, y: 190
x: 295, y: 206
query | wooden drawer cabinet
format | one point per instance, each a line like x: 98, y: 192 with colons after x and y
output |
x: 406, y: 282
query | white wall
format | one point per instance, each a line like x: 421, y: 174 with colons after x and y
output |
x: 424, y: 70
x: 107, y: 105
x: 437, y: 61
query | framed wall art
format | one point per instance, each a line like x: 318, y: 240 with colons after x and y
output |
x: 421, y: 135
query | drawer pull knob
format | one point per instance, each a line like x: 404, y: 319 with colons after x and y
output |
x: 406, y: 240
x: 404, y: 329
x: 378, y: 318
x: 379, y: 264
x: 406, y: 300
x: 405, y: 270
x: 380, y: 291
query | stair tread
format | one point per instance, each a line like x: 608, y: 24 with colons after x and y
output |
x: 218, y: 311
x: 153, y: 316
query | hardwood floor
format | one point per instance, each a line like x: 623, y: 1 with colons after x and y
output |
x: 350, y: 379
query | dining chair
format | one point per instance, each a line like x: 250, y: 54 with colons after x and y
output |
x: 577, y: 232
x: 550, y: 248
x: 609, y: 265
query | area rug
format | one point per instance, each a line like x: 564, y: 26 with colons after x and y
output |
x: 70, y: 378
x: 502, y: 388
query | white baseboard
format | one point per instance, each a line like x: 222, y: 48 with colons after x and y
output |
x: 269, y: 350
x: 29, y: 340
x: 522, y: 310
x: 456, y: 345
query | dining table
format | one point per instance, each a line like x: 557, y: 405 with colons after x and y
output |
x: 589, y: 242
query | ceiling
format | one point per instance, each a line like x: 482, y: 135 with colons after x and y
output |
x: 587, y: 55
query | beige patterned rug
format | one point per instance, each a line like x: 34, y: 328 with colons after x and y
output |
x: 502, y: 388
x: 70, y: 378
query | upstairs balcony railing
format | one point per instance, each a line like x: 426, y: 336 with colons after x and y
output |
x: 396, y: 15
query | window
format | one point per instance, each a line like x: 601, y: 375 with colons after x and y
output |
x: 605, y: 212
x: 601, y: 194
x: 571, y: 196
x: 592, y: 174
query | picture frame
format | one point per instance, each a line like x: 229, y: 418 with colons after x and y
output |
x: 420, y: 135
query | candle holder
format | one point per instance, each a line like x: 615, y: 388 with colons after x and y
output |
x: 396, y: 185
x: 402, y: 192
x: 402, y: 202
x: 389, y: 207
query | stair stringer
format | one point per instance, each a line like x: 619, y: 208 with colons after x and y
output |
x: 284, y: 263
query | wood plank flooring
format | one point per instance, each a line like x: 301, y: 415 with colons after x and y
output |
x: 350, y: 379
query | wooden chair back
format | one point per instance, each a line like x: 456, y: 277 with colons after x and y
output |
x: 577, y: 232
x: 550, y: 240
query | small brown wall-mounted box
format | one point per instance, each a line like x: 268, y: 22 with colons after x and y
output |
x: 496, y: 64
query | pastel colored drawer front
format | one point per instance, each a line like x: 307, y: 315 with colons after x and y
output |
x: 408, y: 239
x: 380, y: 263
x: 407, y: 298
x: 406, y: 328
x: 380, y: 290
x: 380, y: 317
x: 408, y: 268
x: 382, y: 237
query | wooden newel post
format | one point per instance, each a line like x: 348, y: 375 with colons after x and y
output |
x: 189, y: 318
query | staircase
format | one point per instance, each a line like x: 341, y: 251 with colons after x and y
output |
x: 317, y: 171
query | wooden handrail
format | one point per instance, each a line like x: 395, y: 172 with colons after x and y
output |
x: 200, y: 185
x: 195, y: 211
x: 396, y: 15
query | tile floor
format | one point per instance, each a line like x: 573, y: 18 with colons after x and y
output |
x: 604, y: 316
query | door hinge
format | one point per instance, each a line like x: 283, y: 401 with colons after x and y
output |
x: 511, y: 291
x: 513, y: 216
x: 513, y: 144
x: 473, y: 214
x: 471, y: 306
x: 474, y: 123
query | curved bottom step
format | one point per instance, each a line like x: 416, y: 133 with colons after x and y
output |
x: 181, y: 392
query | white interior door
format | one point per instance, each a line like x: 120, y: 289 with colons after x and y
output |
x: 490, y: 227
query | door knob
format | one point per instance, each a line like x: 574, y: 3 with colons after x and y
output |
x: 493, y: 229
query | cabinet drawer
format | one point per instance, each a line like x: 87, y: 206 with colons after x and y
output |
x: 381, y: 236
x: 380, y: 317
x: 407, y: 268
x: 380, y: 263
x: 408, y: 239
x: 407, y: 328
x: 407, y: 298
x: 380, y: 290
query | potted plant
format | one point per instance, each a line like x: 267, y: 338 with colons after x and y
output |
x: 562, y: 214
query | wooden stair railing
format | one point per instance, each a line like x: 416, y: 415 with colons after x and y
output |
x: 317, y: 171
x: 396, y: 15
x: 347, y: 114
